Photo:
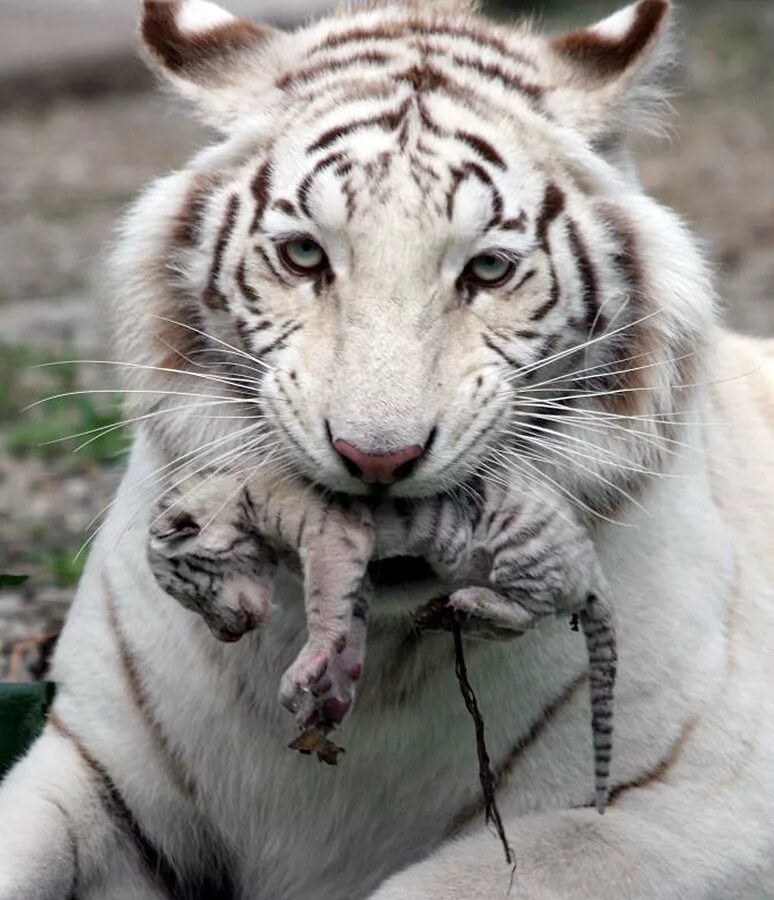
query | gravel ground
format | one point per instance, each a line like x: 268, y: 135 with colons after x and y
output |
x: 69, y: 165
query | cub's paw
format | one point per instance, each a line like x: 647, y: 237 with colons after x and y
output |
x: 489, y: 614
x: 479, y: 612
x: 218, y: 568
x: 319, y: 687
x: 231, y: 601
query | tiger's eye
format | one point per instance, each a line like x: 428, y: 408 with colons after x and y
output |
x: 489, y: 269
x: 303, y: 255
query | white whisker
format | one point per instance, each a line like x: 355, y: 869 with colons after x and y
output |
x: 576, y: 348
x: 573, y: 456
x: 137, y: 391
x: 573, y: 499
x: 608, y: 456
x: 224, y: 380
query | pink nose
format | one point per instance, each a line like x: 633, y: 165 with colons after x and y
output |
x: 378, y: 468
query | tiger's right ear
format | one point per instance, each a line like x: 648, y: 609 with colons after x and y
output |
x: 210, y: 57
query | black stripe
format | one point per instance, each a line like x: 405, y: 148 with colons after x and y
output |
x: 304, y: 76
x: 260, y: 188
x: 279, y: 342
x: 270, y: 266
x: 399, y: 30
x: 302, y: 194
x: 159, y: 867
x: 553, y: 204
x: 494, y: 72
x: 587, y: 273
x: 499, y: 351
x: 480, y: 39
x: 519, y: 223
x: 553, y: 297
x: 388, y: 121
x: 213, y: 297
x: 285, y: 206
x: 249, y: 292
x: 527, y: 276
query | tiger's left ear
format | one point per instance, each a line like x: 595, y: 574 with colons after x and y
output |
x: 210, y: 57
x: 609, y: 75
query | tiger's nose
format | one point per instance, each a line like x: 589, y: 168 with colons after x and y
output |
x: 378, y: 468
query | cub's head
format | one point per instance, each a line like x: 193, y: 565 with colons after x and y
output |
x: 418, y: 255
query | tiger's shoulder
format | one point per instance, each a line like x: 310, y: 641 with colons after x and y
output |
x: 739, y: 436
x: 743, y: 382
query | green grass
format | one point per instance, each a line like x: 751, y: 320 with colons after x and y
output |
x: 60, y: 566
x: 68, y: 417
x: 38, y: 431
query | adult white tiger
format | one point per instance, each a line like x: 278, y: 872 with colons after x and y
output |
x: 414, y: 222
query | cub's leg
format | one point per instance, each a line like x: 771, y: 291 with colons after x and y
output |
x: 334, y: 546
x: 517, y: 560
x: 531, y: 560
x: 204, y: 551
x: 215, y: 547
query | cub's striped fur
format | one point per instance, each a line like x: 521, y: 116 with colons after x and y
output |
x: 420, y: 258
x: 510, y: 561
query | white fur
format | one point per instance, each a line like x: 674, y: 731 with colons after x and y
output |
x: 616, y: 25
x: 199, y: 15
x: 690, y: 566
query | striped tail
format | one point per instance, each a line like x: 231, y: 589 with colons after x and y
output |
x: 598, y: 625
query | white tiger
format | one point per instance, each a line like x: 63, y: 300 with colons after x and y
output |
x: 421, y: 241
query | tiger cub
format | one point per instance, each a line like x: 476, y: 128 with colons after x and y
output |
x: 510, y: 562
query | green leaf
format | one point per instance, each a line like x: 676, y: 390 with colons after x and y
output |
x: 7, y: 580
x: 23, y: 711
x: 64, y: 566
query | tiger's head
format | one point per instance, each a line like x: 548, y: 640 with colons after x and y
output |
x: 419, y: 253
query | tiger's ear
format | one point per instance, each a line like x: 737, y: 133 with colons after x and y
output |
x: 610, y: 74
x: 207, y: 55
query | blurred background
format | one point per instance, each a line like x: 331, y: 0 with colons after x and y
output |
x: 81, y: 130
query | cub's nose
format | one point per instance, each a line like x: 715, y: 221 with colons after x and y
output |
x: 378, y: 468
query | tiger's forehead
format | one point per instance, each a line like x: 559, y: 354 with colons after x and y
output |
x: 424, y: 186
x: 379, y: 70
x: 418, y: 124
x: 391, y: 113
x: 368, y: 52
x: 411, y: 157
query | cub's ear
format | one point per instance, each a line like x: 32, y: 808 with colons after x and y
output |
x: 610, y: 74
x: 207, y: 55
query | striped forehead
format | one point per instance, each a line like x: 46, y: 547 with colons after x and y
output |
x: 374, y: 66
x: 462, y: 188
x: 409, y: 134
x: 373, y: 51
x: 390, y: 114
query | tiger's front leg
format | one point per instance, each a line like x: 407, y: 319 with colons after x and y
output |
x: 204, y: 551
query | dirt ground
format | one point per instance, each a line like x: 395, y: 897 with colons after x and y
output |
x: 69, y: 163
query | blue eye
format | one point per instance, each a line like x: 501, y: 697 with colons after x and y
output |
x: 489, y: 269
x: 303, y: 256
